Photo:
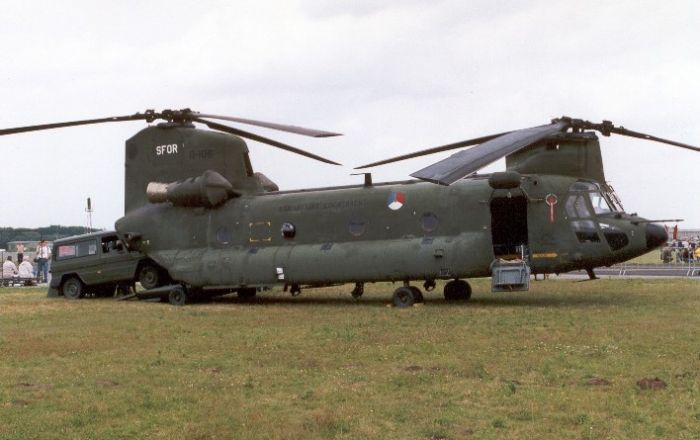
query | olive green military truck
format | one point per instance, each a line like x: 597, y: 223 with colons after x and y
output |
x: 97, y: 265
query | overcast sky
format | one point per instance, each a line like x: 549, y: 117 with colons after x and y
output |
x: 393, y: 76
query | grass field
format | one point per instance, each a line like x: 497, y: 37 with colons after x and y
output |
x: 529, y: 365
x: 653, y: 257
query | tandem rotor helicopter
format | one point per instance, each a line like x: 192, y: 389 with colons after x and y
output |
x: 205, y: 224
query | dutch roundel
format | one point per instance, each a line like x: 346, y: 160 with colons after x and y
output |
x: 396, y: 200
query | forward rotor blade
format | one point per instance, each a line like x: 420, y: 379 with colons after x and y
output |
x: 288, y: 128
x: 15, y: 130
x: 428, y: 151
x: 466, y: 162
x: 607, y: 127
x: 625, y: 132
x: 264, y: 140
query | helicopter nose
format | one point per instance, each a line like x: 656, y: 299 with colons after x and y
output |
x: 656, y: 236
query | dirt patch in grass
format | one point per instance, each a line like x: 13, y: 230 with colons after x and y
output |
x: 651, y: 384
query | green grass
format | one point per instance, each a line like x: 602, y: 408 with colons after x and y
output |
x: 324, y: 366
x: 653, y: 257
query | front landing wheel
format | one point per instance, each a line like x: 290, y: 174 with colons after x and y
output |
x: 417, y: 294
x: 404, y: 297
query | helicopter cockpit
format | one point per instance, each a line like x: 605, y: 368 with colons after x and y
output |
x: 602, y: 202
x: 587, y: 206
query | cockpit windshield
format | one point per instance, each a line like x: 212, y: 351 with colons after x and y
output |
x: 600, y: 204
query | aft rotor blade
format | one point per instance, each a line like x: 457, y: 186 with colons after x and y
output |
x: 466, y: 162
x: 433, y: 150
x: 264, y: 140
x: 15, y: 130
x: 288, y: 128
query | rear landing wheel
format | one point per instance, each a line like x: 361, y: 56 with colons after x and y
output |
x: 457, y: 290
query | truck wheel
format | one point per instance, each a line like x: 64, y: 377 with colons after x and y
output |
x: 73, y: 288
x: 403, y: 297
x: 177, y: 296
x: 149, y: 277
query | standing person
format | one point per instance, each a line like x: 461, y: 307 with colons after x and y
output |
x: 20, y: 253
x: 43, y: 253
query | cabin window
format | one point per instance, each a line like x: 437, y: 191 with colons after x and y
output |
x: 356, y: 227
x: 223, y: 235
x: 429, y: 222
x: 288, y: 230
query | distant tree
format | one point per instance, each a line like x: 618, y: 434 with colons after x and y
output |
x: 50, y: 233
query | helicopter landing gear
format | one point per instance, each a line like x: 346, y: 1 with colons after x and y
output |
x: 358, y: 291
x: 295, y: 290
x: 177, y: 296
x: 404, y: 297
x: 457, y: 290
x: 591, y: 274
x: 417, y: 294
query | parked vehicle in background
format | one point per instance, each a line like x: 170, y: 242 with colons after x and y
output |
x: 98, y: 264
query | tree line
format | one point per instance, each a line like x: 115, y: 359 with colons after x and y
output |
x: 50, y: 233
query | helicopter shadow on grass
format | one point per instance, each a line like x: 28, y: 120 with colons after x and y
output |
x: 434, y: 301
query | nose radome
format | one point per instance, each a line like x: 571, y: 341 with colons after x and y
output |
x: 656, y: 236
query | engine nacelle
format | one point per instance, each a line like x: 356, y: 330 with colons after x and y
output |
x: 504, y: 180
x: 208, y: 190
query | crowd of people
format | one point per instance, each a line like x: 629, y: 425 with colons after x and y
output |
x: 24, y: 271
x: 678, y: 251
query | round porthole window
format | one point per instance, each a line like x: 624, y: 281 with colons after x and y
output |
x: 223, y: 235
x: 288, y: 230
x: 356, y: 227
x: 428, y: 222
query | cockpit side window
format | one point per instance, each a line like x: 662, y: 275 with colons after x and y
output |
x: 576, y: 207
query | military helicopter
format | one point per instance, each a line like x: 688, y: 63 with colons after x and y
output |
x: 209, y: 225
